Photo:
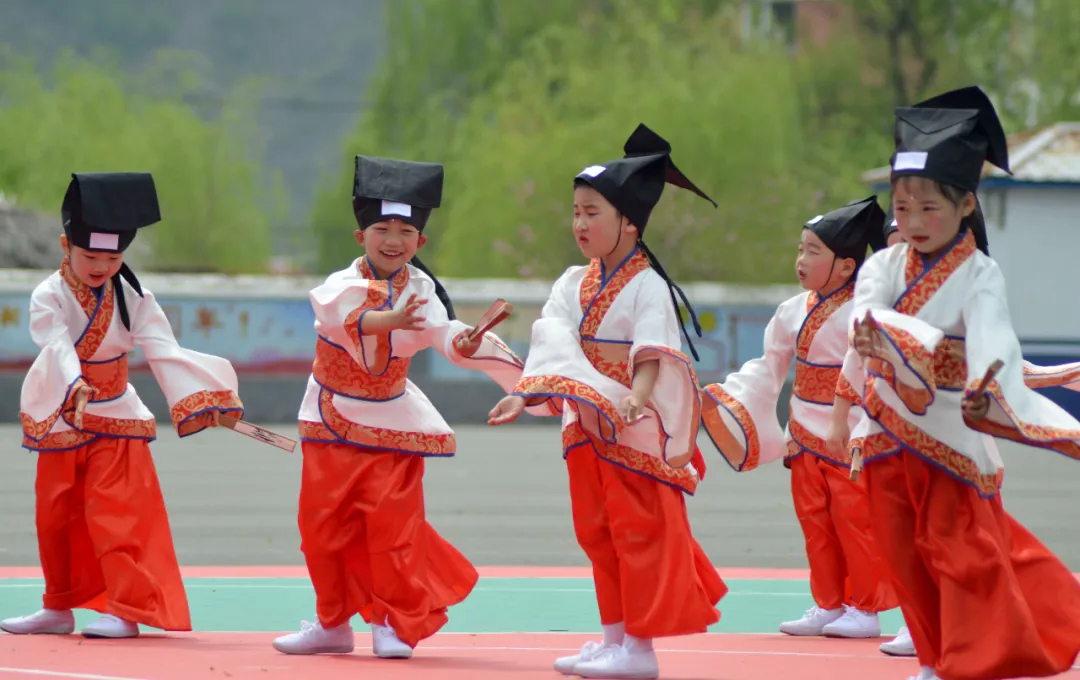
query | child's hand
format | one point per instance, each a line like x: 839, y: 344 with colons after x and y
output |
x: 466, y: 347
x: 82, y: 398
x: 407, y: 317
x: 507, y: 410
x: 837, y: 437
x: 976, y: 408
x: 867, y: 339
x: 631, y: 408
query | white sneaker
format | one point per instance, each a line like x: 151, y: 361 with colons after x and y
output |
x: 854, y: 624
x: 621, y: 662
x: 109, y: 626
x: 589, y: 651
x: 925, y: 673
x: 813, y: 623
x: 44, y: 622
x: 314, y: 639
x: 387, y: 645
x: 901, y: 645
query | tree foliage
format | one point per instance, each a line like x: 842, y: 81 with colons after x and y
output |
x: 516, y: 103
x: 84, y: 116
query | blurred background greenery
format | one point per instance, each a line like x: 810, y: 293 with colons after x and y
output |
x: 249, y: 113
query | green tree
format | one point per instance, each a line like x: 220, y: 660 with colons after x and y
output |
x: 90, y: 119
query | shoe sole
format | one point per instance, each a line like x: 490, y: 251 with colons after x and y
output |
x: 313, y: 652
x: 105, y: 636
x: 893, y: 652
x: 394, y: 655
x: 38, y: 632
x: 860, y: 636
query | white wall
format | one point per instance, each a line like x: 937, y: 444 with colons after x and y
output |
x: 1039, y: 252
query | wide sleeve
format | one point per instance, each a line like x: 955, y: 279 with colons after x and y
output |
x: 739, y: 414
x: 1062, y: 375
x: 494, y: 358
x: 195, y: 385
x: 48, y: 390
x: 340, y: 304
x: 1016, y: 411
x: 906, y: 356
x: 557, y: 370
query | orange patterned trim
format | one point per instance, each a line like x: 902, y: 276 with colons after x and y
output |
x: 922, y: 444
x: 575, y: 392
x: 94, y: 427
x: 818, y: 311
x: 611, y: 359
x: 845, y: 390
x: 950, y: 364
x: 816, y: 384
x: 336, y: 427
x: 192, y: 414
x: 597, y: 296
x: 917, y: 359
x: 874, y: 445
x: 1065, y: 442
x: 378, y: 294
x: 336, y: 371
x: 805, y: 440
x: 631, y: 459
x: 98, y: 314
x: 108, y: 378
x: 741, y: 458
x: 35, y: 430
x: 1041, y: 377
x: 923, y: 284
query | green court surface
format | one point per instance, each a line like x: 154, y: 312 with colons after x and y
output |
x: 496, y: 605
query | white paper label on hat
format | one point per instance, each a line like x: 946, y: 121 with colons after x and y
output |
x: 99, y: 241
x: 910, y: 160
x: 816, y: 219
x: 394, y: 208
x: 592, y: 170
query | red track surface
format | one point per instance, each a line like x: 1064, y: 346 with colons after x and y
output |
x: 476, y: 657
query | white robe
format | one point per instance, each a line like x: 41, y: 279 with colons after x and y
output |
x: 363, y: 397
x: 83, y: 338
x: 913, y: 392
x: 740, y: 414
x: 592, y: 331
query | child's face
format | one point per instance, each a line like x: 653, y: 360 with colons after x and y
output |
x: 390, y: 244
x: 925, y: 218
x: 597, y: 225
x: 92, y: 267
x: 818, y: 267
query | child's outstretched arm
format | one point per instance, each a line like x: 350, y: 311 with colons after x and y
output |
x: 1009, y: 408
x: 54, y: 385
x: 198, y: 387
x: 739, y: 414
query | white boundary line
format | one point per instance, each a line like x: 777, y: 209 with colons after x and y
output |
x: 61, y: 674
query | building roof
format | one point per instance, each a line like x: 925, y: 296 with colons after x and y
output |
x: 1040, y: 155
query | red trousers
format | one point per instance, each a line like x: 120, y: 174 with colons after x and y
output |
x: 846, y: 567
x: 649, y: 572
x: 983, y: 598
x: 104, y: 536
x: 368, y: 548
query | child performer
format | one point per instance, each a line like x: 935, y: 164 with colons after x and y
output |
x: 848, y: 578
x: 982, y: 597
x: 605, y: 353
x: 103, y: 531
x: 366, y: 429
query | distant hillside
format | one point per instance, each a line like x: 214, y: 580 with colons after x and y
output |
x: 314, y: 56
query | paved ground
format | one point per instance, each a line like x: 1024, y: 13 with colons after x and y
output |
x: 502, y: 501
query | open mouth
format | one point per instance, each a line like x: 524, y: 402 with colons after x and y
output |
x: 391, y: 254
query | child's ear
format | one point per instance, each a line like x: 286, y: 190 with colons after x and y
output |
x: 967, y: 206
x: 64, y: 244
x: 847, y: 267
x: 421, y: 241
x: 359, y: 236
